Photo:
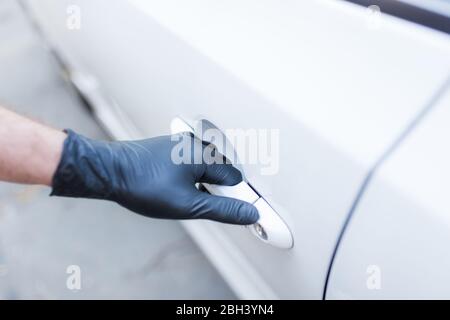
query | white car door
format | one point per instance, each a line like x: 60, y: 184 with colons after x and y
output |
x: 396, y: 245
x: 334, y: 87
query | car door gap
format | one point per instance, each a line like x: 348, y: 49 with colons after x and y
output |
x: 396, y: 143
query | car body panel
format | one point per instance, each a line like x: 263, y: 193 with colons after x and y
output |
x: 396, y: 246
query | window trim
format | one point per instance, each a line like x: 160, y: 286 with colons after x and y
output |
x: 410, y: 12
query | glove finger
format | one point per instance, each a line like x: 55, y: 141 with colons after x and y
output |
x: 223, y: 209
x: 217, y: 169
x: 221, y: 174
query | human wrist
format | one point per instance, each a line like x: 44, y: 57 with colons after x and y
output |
x: 81, y: 172
x: 50, y: 144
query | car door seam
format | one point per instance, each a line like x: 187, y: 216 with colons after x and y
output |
x: 385, y: 155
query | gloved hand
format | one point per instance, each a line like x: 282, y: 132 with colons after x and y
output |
x: 143, y: 177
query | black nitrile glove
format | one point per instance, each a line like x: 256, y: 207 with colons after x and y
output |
x: 143, y: 177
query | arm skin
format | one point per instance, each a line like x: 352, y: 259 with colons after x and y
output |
x: 29, y: 151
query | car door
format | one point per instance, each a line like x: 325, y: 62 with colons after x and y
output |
x: 329, y: 87
x: 396, y: 245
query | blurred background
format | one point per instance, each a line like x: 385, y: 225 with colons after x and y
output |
x: 121, y: 255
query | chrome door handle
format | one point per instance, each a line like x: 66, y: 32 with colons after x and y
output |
x: 270, y: 228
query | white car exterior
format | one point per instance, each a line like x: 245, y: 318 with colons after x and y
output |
x: 362, y: 104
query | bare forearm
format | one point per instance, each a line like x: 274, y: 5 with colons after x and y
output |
x: 29, y: 151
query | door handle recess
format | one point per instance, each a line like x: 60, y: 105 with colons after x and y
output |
x: 270, y: 227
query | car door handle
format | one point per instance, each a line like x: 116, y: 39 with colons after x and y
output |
x: 270, y: 228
